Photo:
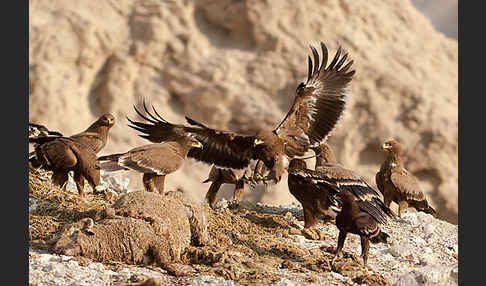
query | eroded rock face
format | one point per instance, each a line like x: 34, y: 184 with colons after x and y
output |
x: 236, y: 64
x: 139, y: 228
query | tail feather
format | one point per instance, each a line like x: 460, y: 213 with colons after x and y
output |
x: 430, y: 210
x: 381, y: 237
x: 112, y: 157
x: 110, y: 166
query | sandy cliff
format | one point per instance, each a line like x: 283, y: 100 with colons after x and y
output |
x: 236, y: 64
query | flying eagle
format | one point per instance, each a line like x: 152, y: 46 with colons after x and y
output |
x: 154, y: 161
x: 351, y: 219
x: 316, y: 190
x: 65, y: 154
x: 318, y: 106
x: 399, y: 185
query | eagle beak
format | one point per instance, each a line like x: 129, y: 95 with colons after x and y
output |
x: 385, y: 146
x: 258, y: 142
x: 197, y: 145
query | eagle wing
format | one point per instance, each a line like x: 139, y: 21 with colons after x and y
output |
x: 407, y: 184
x: 91, y: 139
x: 318, y: 104
x: 222, y: 148
x: 379, y: 181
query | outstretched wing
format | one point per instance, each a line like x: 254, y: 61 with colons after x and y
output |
x: 222, y: 148
x: 318, y: 104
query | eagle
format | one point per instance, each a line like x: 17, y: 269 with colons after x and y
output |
x: 316, y: 190
x: 347, y: 179
x: 94, y: 137
x: 399, y: 185
x: 238, y: 177
x: 318, y: 105
x: 76, y: 153
x: 37, y: 131
x: 351, y: 219
x: 62, y: 155
x: 154, y: 161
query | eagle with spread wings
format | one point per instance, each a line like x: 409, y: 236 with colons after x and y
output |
x: 317, y: 108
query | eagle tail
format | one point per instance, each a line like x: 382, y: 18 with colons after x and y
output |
x: 430, y: 210
x: 112, y: 157
x: 381, y: 237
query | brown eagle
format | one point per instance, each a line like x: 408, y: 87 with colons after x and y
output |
x: 351, y: 219
x: 238, y: 177
x: 318, y: 106
x: 65, y: 154
x: 96, y: 135
x: 316, y: 190
x: 76, y: 153
x: 154, y: 161
x: 399, y: 185
x: 347, y: 179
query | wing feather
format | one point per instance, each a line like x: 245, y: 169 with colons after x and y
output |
x: 221, y: 148
x: 319, y: 103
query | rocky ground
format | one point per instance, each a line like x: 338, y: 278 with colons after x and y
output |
x: 252, y: 244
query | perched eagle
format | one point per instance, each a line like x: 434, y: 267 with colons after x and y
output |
x: 65, y: 154
x: 76, y: 153
x: 347, y: 179
x: 37, y: 131
x: 318, y: 106
x: 95, y: 136
x: 351, y: 219
x: 316, y: 191
x: 154, y: 161
x: 399, y: 185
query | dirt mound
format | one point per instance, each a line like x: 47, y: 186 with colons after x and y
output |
x: 247, y: 246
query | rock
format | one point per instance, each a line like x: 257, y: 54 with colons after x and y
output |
x: 240, y: 72
x: 407, y: 280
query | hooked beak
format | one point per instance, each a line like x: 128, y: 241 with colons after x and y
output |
x: 258, y: 142
x: 197, y: 145
x: 385, y: 146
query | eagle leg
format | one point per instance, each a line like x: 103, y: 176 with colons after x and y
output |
x: 60, y: 177
x: 159, y: 182
x: 239, y: 187
x: 402, y: 206
x: 148, y: 182
x: 79, y: 180
x: 212, y: 192
x: 365, y: 247
x: 341, y: 239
